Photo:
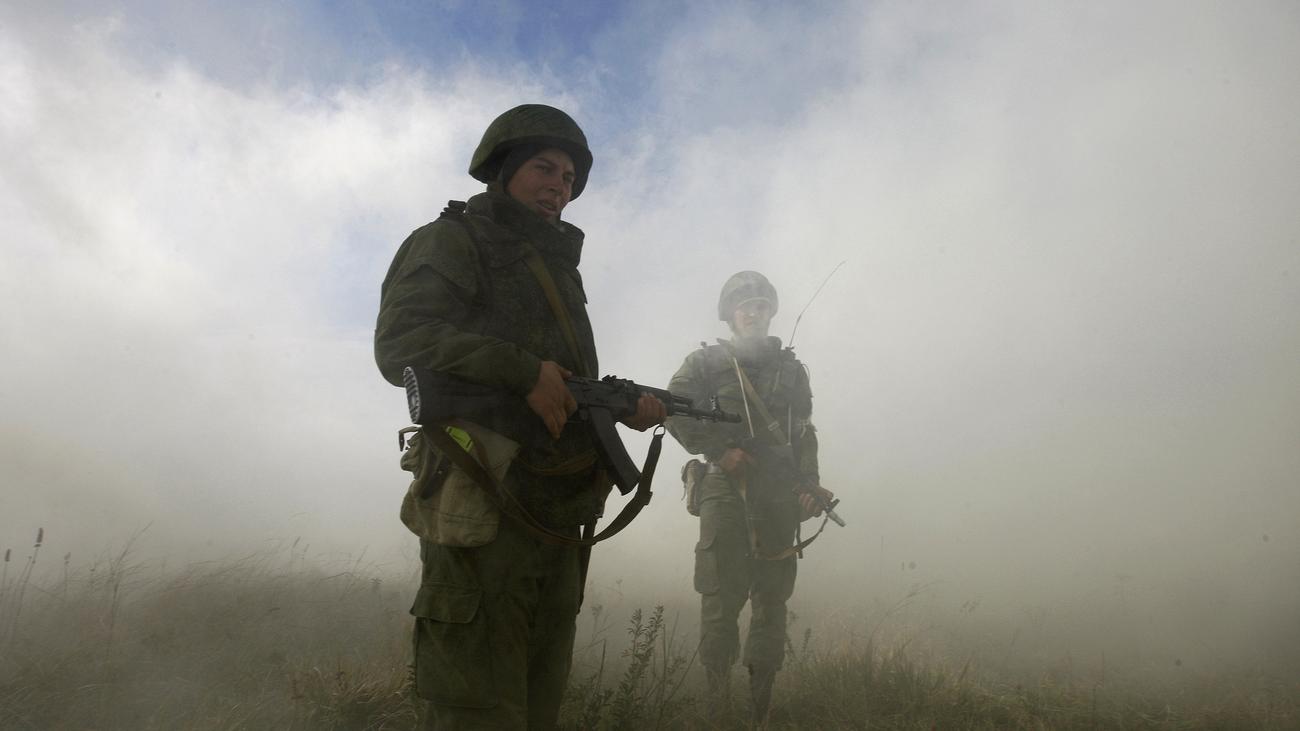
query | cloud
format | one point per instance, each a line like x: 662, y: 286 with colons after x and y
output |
x: 185, y: 280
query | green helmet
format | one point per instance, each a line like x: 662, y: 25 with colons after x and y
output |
x: 529, y: 124
x: 741, y: 287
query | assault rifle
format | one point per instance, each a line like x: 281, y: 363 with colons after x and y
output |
x: 779, y: 463
x: 433, y: 396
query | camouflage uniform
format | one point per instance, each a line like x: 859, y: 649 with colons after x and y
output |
x: 495, y: 623
x: 744, y: 521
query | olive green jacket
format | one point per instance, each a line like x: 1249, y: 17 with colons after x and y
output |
x: 459, y: 299
x: 778, y: 377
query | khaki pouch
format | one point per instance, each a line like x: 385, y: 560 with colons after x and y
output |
x: 692, y: 475
x: 443, y: 504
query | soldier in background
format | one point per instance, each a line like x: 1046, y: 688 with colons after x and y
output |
x: 749, y: 507
x: 490, y: 293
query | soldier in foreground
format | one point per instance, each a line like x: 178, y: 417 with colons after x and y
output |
x: 490, y: 293
x: 759, y: 481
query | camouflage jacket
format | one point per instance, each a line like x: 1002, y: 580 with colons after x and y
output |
x: 459, y: 299
x: 781, y: 381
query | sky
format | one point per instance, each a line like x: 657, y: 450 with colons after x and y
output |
x: 1062, y: 349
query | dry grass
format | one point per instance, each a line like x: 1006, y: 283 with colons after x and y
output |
x: 267, y: 641
x: 276, y: 640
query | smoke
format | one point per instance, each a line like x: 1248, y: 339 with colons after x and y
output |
x: 1060, y: 359
x: 1061, y: 350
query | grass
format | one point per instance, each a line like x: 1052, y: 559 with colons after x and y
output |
x: 280, y: 640
x: 649, y: 688
x: 251, y: 643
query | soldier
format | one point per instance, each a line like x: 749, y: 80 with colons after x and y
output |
x: 748, y: 506
x: 496, y: 609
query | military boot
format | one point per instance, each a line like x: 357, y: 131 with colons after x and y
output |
x: 760, y: 693
x: 719, y: 700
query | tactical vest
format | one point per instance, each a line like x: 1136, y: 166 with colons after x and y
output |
x: 780, y: 379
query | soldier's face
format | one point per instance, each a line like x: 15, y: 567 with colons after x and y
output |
x: 752, y: 318
x: 544, y: 183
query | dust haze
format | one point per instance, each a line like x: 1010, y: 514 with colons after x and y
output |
x: 1055, y: 382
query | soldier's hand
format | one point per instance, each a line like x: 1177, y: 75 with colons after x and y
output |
x: 649, y: 412
x: 734, y: 460
x: 550, y: 398
x: 811, y: 508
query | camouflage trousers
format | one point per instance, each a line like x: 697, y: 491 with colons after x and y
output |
x: 494, y: 628
x: 728, y: 573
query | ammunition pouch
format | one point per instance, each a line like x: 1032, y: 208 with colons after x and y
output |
x: 692, y: 475
x: 443, y: 504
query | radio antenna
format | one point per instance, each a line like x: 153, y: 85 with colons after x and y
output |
x: 793, y: 330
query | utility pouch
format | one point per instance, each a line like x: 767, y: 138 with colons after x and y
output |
x: 692, y: 475
x: 443, y: 504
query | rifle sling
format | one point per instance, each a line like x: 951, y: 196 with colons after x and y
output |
x: 510, y: 507
x: 778, y: 434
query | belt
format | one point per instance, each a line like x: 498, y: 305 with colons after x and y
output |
x: 714, y: 468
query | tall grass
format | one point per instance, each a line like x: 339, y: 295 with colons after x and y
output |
x: 20, y: 588
x: 280, y: 639
x: 648, y: 688
x: 243, y: 643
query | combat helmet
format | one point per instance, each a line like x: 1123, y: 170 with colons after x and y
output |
x: 528, y: 124
x: 743, y: 286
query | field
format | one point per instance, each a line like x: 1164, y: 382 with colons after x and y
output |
x: 282, y: 640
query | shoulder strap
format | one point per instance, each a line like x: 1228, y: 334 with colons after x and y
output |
x: 543, y: 276
x: 773, y: 426
x: 456, y: 210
